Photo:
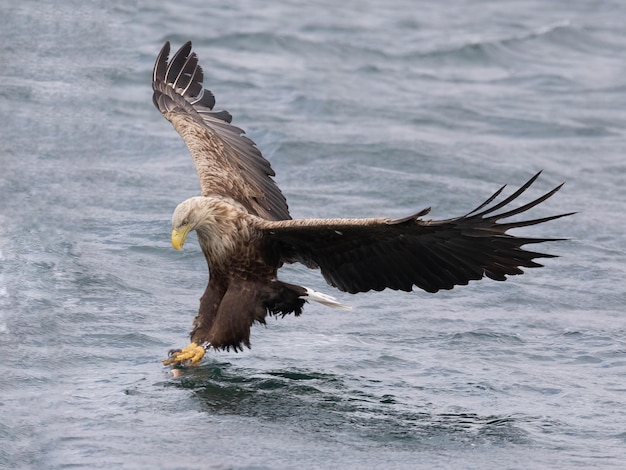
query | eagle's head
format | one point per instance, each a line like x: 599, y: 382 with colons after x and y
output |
x: 184, y: 220
x: 217, y: 221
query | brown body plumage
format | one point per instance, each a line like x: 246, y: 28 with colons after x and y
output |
x: 246, y: 233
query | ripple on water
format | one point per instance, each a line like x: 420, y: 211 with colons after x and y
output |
x: 323, y: 403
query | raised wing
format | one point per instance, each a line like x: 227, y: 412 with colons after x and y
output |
x: 228, y: 163
x: 358, y: 255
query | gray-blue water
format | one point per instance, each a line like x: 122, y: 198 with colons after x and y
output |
x: 363, y: 110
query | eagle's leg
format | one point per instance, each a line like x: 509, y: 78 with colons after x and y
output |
x: 190, y: 355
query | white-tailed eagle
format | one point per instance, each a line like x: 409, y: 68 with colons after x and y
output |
x: 246, y: 233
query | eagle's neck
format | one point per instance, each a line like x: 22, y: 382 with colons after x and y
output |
x: 223, y: 230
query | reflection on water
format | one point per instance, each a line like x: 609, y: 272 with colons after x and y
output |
x: 314, y: 402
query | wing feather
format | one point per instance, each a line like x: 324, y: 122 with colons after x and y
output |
x: 228, y: 163
x: 358, y: 255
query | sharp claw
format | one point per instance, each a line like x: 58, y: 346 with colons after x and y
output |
x: 190, y: 355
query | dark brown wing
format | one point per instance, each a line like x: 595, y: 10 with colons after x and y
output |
x: 228, y: 163
x: 358, y: 255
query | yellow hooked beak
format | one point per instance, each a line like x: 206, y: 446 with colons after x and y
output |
x: 179, y: 236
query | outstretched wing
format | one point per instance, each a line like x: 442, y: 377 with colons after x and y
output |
x: 228, y: 163
x: 358, y: 255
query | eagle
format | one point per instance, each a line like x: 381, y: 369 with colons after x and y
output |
x: 245, y: 231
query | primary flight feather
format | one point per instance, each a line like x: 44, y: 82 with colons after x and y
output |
x: 246, y: 233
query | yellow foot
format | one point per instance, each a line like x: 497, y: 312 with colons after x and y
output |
x: 188, y: 356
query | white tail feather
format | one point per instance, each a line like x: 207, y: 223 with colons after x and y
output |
x: 324, y: 299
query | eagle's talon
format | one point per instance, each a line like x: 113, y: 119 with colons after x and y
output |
x: 188, y: 356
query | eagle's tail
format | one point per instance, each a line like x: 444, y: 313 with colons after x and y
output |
x: 323, y: 299
x: 283, y: 298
